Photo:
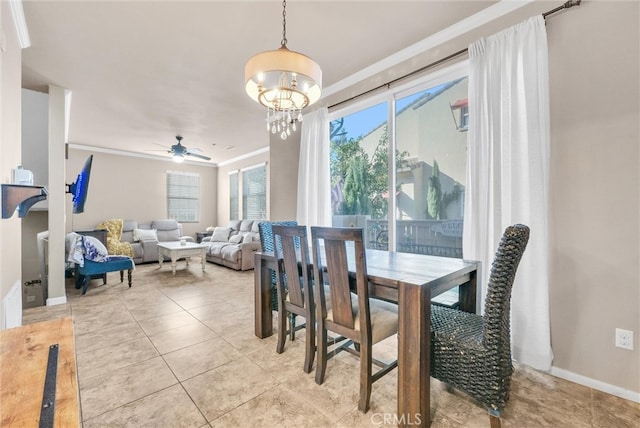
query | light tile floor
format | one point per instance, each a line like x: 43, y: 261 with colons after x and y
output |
x: 179, y: 351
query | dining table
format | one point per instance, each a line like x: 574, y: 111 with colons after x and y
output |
x: 411, y: 280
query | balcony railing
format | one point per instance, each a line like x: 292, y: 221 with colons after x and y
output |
x: 431, y: 237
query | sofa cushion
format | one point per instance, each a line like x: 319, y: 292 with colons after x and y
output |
x: 245, y: 226
x: 221, y: 234
x: 236, y: 239
x: 138, y: 250
x: 168, y: 230
x: 230, y: 253
x: 254, y: 227
x: 145, y: 235
x: 234, y: 225
x: 127, y: 230
x: 215, y: 248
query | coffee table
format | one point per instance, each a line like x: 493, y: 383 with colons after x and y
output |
x: 176, y: 250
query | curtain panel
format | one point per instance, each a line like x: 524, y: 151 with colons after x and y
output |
x: 314, y: 189
x: 508, y: 173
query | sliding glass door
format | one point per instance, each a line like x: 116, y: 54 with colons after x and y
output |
x: 413, y: 142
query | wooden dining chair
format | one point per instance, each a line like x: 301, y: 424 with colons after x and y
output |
x: 472, y: 352
x: 294, y: 288
x: 356, y: 317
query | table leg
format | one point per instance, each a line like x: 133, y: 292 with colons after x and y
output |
x: 160, y: 258
x: 262, y: 299
x: 174, y: 262
x: 414, y: 350
x: 468, y: 292
x: 203, y: 259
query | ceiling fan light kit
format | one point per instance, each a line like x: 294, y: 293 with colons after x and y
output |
x: 179, y: 152
x: 283, y: 81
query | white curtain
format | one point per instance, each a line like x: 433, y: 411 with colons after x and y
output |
x: 314, y: 187
x: 508, y: 173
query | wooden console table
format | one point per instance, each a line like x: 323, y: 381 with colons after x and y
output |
x: 24, y: 355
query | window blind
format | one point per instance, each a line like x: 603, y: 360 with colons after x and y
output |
x: 234, y: 196
x: 254, y: 193
x: 183, y: 196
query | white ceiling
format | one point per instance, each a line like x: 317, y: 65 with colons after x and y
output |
x: 141, y: 72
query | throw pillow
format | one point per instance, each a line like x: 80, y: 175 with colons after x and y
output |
x: 75, y: 248
x: 94, y: 250
x: 236, y: 239
x: 248, y: 237
x: 145, y: 235
x: 221, y: 234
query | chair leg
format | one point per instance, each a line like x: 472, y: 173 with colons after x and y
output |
x: 121, y: 276
x: 494, y: 418
x: 321, y: 365
x: 282, y: 329
x: 129, y: 277
x: 365, y: 377
x: 310, y: 344
x: 292, y: 323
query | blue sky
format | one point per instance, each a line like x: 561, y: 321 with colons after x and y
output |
x: 364, y: 121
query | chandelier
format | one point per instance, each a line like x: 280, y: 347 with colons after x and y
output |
x: 283, y: 81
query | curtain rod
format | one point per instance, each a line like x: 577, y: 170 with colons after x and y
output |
x: 566, y: 5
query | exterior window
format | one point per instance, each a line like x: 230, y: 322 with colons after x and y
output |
x: 359, y: 167
x: 183, y: 196
x: 431, y: 178
x: 254, y: 192
x: 427, y: 167
x: 234, y: 196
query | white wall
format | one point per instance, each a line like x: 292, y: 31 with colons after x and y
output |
x: 10, y: 150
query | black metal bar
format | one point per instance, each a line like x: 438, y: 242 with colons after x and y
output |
x: 47, y: 412
x: 566, y: 5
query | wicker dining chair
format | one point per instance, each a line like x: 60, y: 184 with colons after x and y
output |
x: 471, y: 352
x: 294, y: 288
x: 357, y: 318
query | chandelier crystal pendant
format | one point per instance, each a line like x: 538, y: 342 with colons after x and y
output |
x: 283, y: 81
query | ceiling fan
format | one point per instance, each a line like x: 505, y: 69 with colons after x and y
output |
x: 179, y: 151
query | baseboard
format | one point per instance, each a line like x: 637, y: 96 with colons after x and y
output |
x: 627, y: 394
x: 52, y: 301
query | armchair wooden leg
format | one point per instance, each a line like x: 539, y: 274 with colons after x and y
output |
x: 129, y: 277
x: 121, y: 276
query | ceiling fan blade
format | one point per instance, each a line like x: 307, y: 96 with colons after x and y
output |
x: 195, y: 150
x: 197, y: 155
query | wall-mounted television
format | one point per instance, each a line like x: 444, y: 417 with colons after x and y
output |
x: 80, y: 187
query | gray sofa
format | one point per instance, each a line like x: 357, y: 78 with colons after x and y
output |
x: 234, y: 245
x: 145, y: 242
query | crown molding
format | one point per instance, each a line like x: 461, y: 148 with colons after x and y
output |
x: 17, y: 12
x: 245, y: 156
x: 138, y: 155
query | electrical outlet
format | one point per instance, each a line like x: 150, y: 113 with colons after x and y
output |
x: 624, y: 339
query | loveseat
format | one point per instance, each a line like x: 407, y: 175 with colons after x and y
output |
x: 144, y: 237
x: 234, y: 245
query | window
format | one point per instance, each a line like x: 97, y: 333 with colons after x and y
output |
x: 422, y: 154
x: 183, y: 196
x: 254, y: 192
x: 234, y: 196
x: 359, y: 167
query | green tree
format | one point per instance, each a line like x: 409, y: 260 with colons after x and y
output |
x: 434, y: 194
x: 356, y: 188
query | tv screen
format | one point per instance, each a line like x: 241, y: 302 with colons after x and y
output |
x: 80, y: 188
